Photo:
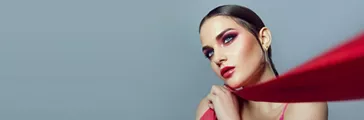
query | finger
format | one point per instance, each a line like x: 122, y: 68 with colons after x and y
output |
x: 211, y: 105
x: 225, y: 89
x: 239, y: 88
x: 216, y: 90
x: 211, y: 98
x: 232, y: 89
x: 228, y: 88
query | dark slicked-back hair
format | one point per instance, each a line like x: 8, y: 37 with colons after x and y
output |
x: 244, y: 17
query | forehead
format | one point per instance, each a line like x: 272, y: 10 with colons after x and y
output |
x: 215, y: 25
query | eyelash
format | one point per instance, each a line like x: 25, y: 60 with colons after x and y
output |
x: 228, y: 38
x: 209, y: 53
x: 225, y: 40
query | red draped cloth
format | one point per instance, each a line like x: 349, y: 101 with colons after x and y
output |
x: 335, y: 75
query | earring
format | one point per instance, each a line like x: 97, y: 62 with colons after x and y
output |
x: 266, y: 57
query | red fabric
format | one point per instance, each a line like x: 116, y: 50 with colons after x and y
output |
x: 335, y: 75
x: 209, y: 115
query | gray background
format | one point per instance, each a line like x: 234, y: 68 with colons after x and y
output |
x: 138, y: 60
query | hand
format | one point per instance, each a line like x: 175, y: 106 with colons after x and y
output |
x: 224, y: 103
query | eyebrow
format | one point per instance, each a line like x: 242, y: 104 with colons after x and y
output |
x: 222, y: 33
x: 217, y: 37
x: 205, y: 47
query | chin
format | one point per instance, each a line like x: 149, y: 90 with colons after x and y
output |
x: 234, y: 83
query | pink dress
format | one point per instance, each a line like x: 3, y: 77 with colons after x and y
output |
x: 210, y: 114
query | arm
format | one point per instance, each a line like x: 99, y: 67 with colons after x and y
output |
x: 307, y: 111
x: 222, y: 101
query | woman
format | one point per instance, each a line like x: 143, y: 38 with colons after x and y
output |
x: 237, y: 44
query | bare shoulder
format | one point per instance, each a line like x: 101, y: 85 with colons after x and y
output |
x: 202, y: 107
x: 307, y: 111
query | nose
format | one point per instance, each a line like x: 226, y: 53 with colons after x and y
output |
x: 219, y: 59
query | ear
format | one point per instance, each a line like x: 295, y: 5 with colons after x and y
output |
x: 265, y: 38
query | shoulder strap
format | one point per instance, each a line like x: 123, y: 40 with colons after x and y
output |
x: 283, y: 111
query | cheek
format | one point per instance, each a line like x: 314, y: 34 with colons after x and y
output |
x: 241, y: 49
x: 215, y: 68
x: 250, y: 55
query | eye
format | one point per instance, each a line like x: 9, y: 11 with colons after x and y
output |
x: 228, y: 38
x: 209, y: 53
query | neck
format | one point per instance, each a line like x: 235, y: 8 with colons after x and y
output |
x: 266, y: 75
x: 263, y: 107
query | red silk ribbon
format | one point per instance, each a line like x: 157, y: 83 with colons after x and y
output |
x: 335, y: 75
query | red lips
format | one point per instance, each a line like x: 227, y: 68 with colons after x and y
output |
x: 227, y: 71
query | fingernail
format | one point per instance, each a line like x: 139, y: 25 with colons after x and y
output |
x: 240, y: 88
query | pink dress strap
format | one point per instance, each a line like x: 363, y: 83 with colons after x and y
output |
x: 284, y: 110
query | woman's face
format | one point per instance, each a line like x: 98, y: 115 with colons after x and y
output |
x: 234, y: 53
